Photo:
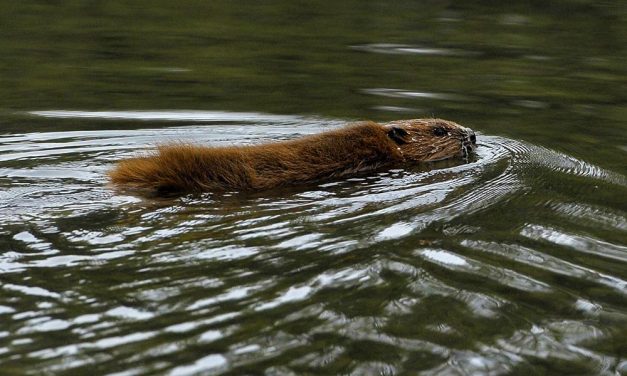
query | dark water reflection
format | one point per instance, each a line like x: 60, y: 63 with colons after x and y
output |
x: 513, y: 262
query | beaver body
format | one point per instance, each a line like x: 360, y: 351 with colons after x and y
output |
x: 179, y: 168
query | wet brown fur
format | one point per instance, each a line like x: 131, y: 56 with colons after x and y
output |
x: 177, y: 168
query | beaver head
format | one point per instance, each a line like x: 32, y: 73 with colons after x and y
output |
x: 424, y: 140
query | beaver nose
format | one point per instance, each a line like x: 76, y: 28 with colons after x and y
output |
x: 473, y: 138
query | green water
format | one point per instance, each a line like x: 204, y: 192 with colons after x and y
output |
x: 514, y: 262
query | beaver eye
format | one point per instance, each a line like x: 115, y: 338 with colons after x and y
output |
x: 439, y: 131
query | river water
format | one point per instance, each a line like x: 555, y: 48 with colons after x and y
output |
x: 511, y: 262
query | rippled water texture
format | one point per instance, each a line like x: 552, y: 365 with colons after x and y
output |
x: 512, y: 262
x: 402, y: 269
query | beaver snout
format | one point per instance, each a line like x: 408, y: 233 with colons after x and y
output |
x: 469, y: 138
x: 469, y: 142
x: 473, y: 138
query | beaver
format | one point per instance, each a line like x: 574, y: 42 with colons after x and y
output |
x: 186, y: 168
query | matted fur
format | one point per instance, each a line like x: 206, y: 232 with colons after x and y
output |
x: 178, y: 167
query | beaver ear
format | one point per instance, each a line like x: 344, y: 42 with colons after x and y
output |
x: 398, y: 135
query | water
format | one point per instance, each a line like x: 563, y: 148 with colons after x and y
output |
x: 513, y: 262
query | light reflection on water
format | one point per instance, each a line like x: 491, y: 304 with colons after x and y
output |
x: 464, y: 265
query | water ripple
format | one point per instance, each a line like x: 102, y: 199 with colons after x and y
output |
x: 477, y: 266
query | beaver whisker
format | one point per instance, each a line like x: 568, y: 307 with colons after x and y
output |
x: 465, y: 152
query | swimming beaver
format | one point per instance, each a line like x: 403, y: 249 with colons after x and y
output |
x: 179, y: 168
